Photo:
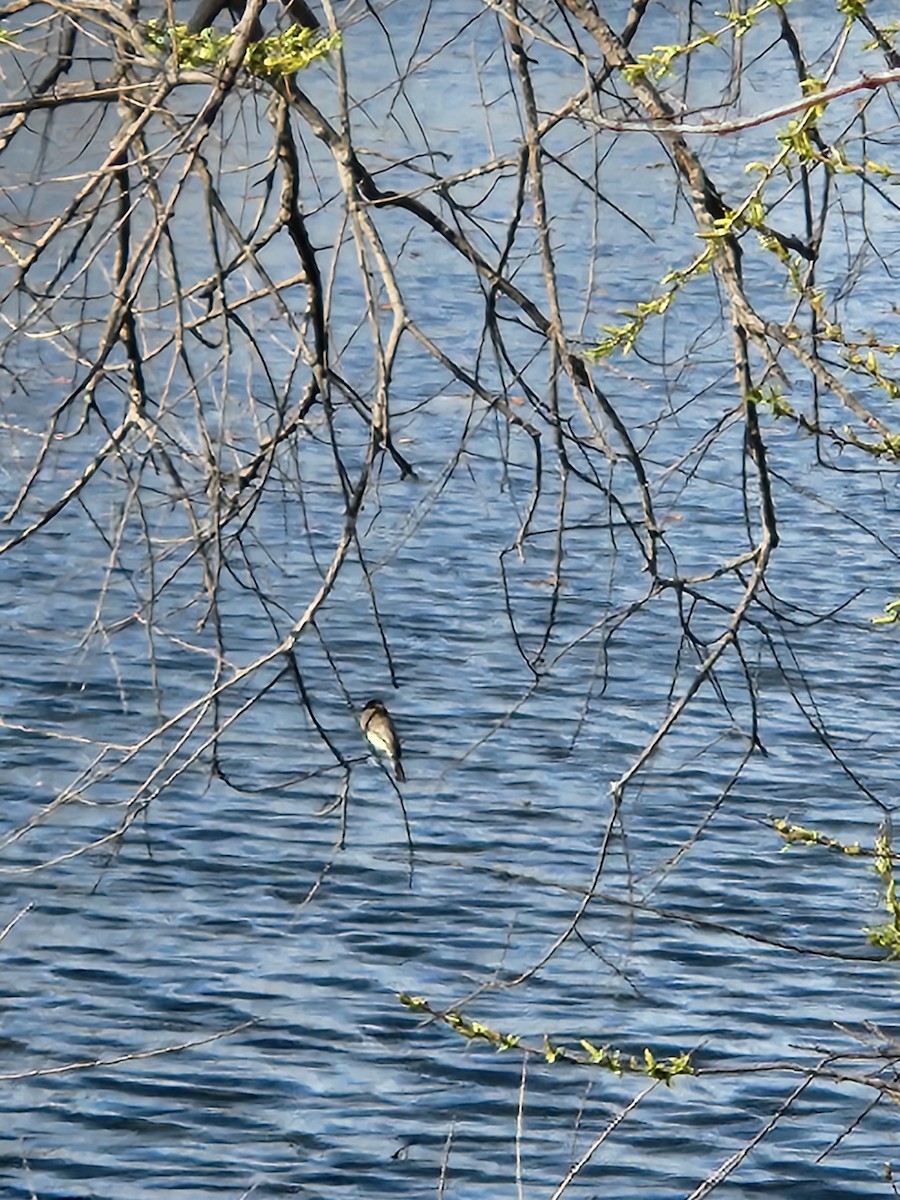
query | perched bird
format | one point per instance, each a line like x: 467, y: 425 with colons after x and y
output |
x: 378, y: 727
x: 207, y: 11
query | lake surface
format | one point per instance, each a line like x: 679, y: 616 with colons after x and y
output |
x: 229, y: 917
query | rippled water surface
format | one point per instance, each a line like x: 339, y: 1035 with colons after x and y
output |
x: 228, y: 918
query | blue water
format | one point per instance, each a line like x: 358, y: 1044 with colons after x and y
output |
x: 237, y: 914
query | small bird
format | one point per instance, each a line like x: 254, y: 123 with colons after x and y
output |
x: 378, y: 727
